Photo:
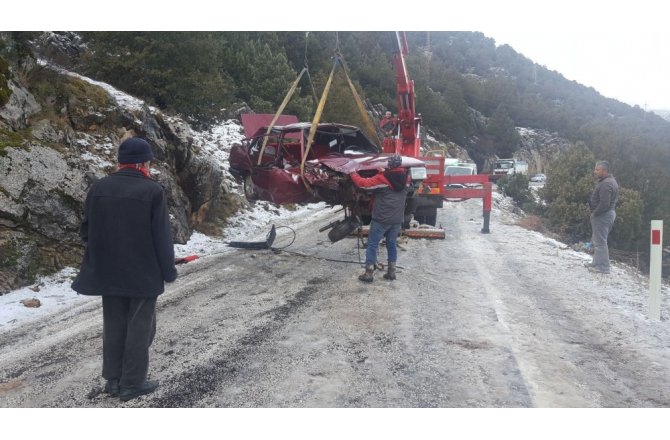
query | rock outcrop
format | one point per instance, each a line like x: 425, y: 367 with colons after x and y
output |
x: 59, y: 133
x: 539, y: 148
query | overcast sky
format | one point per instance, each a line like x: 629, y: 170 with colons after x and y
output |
x: 620, y: 48
x: 634, y: 69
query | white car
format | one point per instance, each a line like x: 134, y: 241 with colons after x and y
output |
x: 538, y: 178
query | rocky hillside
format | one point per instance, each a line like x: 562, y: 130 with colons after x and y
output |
x: 58, y: 134
x: 539, y: 148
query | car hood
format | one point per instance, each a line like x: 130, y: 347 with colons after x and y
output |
x: 349, y: 164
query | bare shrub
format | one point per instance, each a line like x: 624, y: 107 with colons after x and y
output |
x: 532, y: 222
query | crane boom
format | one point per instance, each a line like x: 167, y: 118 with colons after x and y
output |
x: 409, y: 143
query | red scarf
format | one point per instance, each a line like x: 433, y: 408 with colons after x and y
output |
x: 136, y: 166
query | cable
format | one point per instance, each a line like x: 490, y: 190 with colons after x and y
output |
x: 293, y: 240
x: 277, y: 250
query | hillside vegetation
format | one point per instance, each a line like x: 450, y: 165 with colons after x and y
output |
x: 469, y: 91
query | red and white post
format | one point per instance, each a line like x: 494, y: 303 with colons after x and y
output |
x: 655, y: 264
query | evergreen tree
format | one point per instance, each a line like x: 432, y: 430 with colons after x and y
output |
x: 176, y: 71
x: 628, y: 232
x: 567, y: 192
x: 503, y: 132
x: 263, y: 76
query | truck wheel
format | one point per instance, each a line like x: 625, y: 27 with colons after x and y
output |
x: 427, y: 217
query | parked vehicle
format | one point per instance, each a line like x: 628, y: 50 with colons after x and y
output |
x: 505, y: 167
x: 520, y: 167
x: 457, y: 170
x: 538, y: 178
x: 448, y: 162
x: 470, y: 165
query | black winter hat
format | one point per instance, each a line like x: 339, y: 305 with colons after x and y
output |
x: 135, y: 150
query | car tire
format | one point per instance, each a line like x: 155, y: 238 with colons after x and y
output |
x: 250, y: 189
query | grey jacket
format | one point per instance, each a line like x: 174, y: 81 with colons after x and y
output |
x: 390, y: 193
x: 604, y: 196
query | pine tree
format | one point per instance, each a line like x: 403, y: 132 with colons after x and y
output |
x: 567, y: 192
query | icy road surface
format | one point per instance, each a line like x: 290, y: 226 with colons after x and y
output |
x: 507, y: 319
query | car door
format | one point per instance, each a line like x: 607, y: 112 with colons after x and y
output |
x: 275, y: 178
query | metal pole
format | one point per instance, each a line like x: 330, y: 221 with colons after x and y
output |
x: 655, y: 265
x: 488, y: 190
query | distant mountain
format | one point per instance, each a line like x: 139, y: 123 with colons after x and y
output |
x: 665, y: 114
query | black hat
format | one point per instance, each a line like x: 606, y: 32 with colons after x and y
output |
x: 135, y: 150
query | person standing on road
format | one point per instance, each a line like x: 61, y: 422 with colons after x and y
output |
x: 129, y: 255
x: 388, y: 211
x: 603, y: 202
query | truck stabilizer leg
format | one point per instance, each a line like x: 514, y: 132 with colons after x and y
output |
x: 487, y: 217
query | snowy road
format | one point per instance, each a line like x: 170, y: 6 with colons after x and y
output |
x: 507, y: 319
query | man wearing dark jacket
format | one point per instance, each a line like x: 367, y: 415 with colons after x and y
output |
x: 129, y: 255
x: 603, y: 201
x: 388, y: 211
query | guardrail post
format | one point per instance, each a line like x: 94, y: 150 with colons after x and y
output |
x: 655, y: 266
x: 488, y: 189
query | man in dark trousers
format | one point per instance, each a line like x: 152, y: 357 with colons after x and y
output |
x: 129, y: 255
x: 603, y: 202
x: 388, y: 211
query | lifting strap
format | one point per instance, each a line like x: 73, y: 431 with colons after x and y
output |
x: 322, y: 103
x: 317, y: 118
x: 361, y: 106
x: 306, y: 64
x: 287, y: 98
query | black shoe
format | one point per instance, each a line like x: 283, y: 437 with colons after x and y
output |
x: 127, y: 393
x: 112, y: 387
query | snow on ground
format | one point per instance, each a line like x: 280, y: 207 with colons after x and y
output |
x: 122, y: 99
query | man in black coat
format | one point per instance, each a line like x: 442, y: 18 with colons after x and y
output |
x: 129, y: 255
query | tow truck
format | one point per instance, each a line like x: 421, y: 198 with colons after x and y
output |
x: 437, y: 187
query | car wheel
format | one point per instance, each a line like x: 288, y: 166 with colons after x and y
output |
x: 250, y: 189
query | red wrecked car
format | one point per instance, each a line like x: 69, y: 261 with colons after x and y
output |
x: 275, y: 175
